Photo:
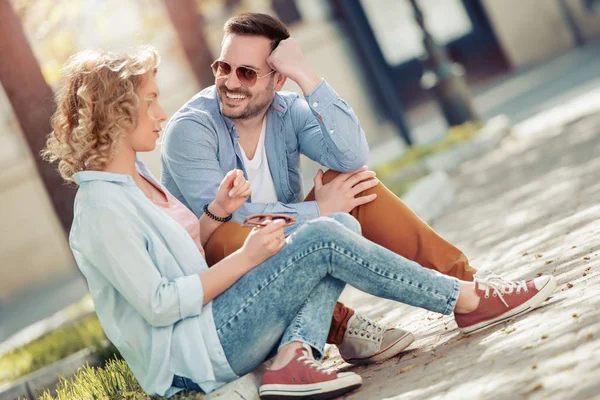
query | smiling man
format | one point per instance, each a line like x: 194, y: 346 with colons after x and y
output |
x: 244, y: 121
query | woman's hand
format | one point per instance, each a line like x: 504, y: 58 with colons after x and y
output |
x: 262, y: 243
x: 233, y: 191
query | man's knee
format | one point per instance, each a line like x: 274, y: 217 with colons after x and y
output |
x: 329, y: 175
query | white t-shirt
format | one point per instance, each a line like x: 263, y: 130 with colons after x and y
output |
x: 259, y: 175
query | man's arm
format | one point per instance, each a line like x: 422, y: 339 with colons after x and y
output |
x: 189, y: 154
x: 328, y: 130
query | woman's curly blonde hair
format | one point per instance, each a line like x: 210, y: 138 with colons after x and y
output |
x: 95, y: 105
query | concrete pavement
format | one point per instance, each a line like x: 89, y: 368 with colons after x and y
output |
x: 531, y: 206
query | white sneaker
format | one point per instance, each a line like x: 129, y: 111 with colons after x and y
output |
x: 367, y: 342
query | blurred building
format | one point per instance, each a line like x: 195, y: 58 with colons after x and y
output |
x: 380, y: 40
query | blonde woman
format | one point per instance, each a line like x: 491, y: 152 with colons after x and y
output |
x: 180, y: 325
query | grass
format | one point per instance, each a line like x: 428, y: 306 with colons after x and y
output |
x: 456, y: 135
x: 54, y: 346
x: 114, y: 381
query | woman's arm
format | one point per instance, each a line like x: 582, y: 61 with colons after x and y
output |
x: 233, y: 191
x: 104, y: 239
x: 259, y: 245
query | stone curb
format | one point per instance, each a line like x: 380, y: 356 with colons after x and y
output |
x: 30, y: 385
x: 486, y: 139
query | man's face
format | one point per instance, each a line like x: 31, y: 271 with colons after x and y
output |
x: 237, y: 100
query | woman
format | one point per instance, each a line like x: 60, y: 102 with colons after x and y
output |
x: 180, y: 325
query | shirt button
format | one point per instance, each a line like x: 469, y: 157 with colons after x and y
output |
x: 331, y: 132
x: 315, y: 104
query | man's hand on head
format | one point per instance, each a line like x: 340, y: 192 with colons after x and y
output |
x: 288, y: 60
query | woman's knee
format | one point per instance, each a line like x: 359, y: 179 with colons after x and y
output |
x: 329, y: 227
x: 347, y: 220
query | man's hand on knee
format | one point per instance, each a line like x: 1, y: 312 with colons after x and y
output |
x: 342, y: 193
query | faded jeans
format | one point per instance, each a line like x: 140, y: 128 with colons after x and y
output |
x: 291, y: 296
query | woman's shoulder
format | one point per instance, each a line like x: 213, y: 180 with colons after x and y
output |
x: 102, y: 197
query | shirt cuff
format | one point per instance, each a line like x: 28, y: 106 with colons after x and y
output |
x: 191, y: 295
x: 304, y: 212
x: 321, y: 98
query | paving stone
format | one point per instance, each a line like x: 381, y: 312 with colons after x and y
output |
x: 529, y: 206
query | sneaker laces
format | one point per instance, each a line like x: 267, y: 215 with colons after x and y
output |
x: 501, y: 286
x: 367, y: 327
x: 307, y: 359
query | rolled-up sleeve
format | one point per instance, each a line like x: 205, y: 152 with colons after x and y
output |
x: 329, y: 131
x: 103, y: 239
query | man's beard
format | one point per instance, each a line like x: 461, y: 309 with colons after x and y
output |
x: 251, y: 109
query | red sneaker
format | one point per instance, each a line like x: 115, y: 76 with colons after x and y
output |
x: 501, y: 300
x: 305, y: 378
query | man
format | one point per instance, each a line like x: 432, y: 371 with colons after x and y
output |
x: 245, y: 122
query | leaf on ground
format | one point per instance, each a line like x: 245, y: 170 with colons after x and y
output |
x: 524, y: 254
x: 405, y: 369
x: 537, y: 387
x: 538, y: 274
x: 586, y: 258
x: 539, y: 255
x: 575, y: 316
x: 590, y: 336
x: 544, y: 337
x: 573, y: 247
x: 534, y: 366
x: 549, y: 262
x: 569, y: 285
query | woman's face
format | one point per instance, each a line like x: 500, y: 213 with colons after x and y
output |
x: 143, y: 137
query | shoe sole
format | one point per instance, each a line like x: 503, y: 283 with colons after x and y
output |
x: 313, y: 391
x: 395, y: 349
x: 529, y: 305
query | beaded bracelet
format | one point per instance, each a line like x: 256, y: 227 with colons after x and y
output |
x: 213, y: 216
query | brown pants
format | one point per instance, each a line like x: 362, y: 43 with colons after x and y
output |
x: 386, y: 221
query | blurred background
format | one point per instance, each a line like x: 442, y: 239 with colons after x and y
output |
x: 517, y: 57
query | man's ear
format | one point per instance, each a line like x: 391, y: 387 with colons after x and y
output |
x: 279, y: 81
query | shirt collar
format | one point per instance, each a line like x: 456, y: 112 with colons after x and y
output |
x: 88, y: 176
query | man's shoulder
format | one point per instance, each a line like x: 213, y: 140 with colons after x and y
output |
x: 203, y: 106
x: 201, y: 109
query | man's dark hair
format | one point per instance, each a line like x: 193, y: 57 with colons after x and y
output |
x: 256, y: 24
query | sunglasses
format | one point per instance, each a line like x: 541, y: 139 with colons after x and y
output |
x: 247, y: 76
x: 259, y: 220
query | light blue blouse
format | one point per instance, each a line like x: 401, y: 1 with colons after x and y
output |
x: 142, y: 270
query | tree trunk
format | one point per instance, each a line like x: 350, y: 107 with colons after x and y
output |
x: 189, y: 26
x: 32, y: 101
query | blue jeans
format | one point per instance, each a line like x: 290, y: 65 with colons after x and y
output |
x: 291, y: 296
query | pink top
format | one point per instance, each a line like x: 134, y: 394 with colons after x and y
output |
x: 182, y: 215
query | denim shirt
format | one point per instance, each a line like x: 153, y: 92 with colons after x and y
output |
x: 201, y: 145
x: 142, y: 271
